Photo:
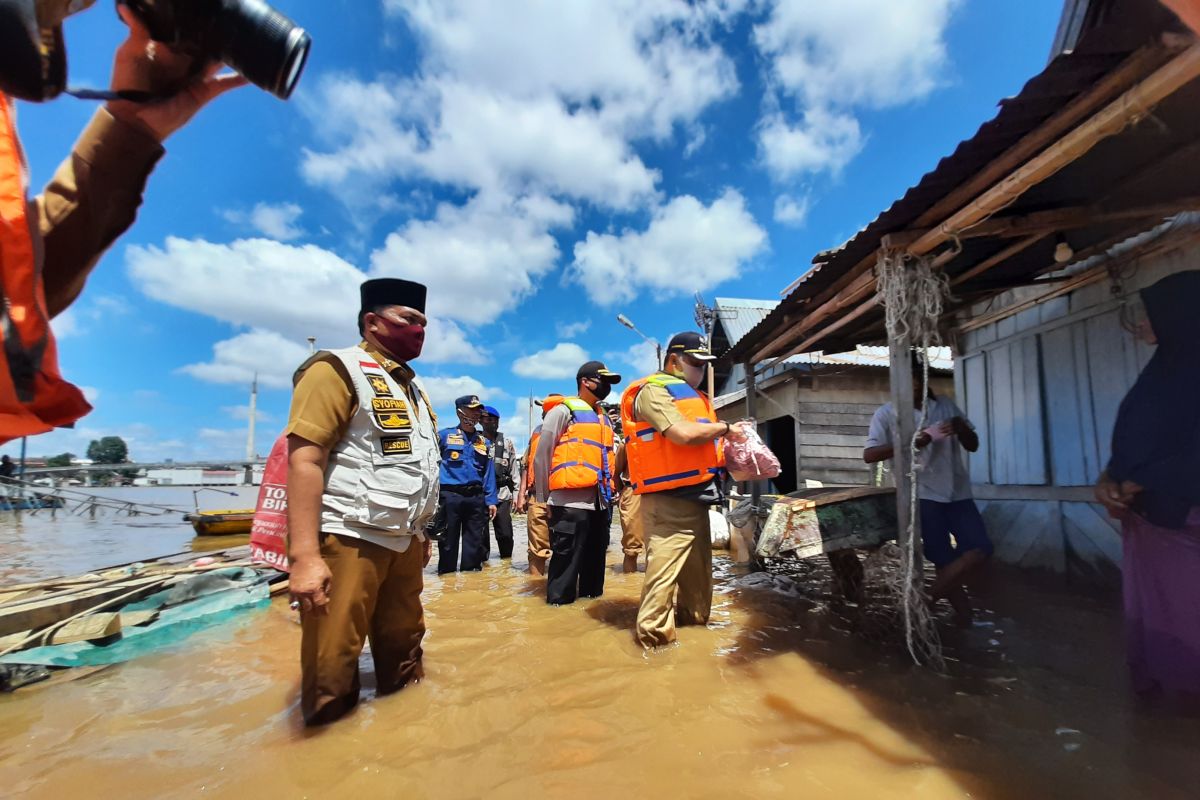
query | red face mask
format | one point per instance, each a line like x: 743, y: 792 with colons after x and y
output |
x: 402, y: 342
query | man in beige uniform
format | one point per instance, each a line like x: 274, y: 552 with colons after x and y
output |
x: 537, y: 515
x: 629, y: 504
x: 362, y: 485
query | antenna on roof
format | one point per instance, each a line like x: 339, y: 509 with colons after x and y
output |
x: 705, y: 316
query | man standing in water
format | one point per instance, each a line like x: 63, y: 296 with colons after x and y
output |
x: 573, y: 473
x: 944, y: 488
x: 674, y: 453
x: 504, y: 456
x: 468, y: 490
x: 537, y: 515
x: 360, y: 419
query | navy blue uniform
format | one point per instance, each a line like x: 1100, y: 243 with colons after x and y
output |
x: 468, y: 487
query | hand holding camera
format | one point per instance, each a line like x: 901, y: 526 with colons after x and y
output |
x: 144, y: 65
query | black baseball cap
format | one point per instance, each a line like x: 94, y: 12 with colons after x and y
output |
x: 468, y: 401
x: 596, y: 369
x: 690, y: 343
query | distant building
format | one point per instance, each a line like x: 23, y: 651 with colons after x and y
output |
x: 814, y: 409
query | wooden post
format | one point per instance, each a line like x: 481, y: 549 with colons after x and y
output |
x: 902, y: 379
x: 752, y: 412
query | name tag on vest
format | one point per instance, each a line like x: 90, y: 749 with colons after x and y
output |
x: 396, y: 445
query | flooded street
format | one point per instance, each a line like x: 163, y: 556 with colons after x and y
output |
x: 781, y: 696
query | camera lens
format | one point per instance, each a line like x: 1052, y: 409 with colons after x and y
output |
x: 263, y: 45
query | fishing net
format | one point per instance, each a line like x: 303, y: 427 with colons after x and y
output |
x: 913, y: 295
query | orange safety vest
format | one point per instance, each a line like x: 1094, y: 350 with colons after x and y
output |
x: 34, y: 398
x: 583, y: 454
x: 657, y: 464
x: 547, y: 407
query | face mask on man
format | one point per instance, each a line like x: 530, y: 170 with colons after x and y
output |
x: 403, y: 342
x: 602, y: 390
x: 692, y: 374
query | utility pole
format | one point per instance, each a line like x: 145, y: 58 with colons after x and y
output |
x: 312, y: 345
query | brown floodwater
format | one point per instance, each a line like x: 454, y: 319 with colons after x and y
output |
x: 785, y: 694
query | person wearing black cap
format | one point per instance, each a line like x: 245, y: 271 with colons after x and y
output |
x: 468, y: 495
x: 362, y: 484
x: 674, y: 455
x: 504, y: 457
x: 573, y: 472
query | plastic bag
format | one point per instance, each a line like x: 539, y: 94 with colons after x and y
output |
x: 268, y: 534
x: 750, y: 459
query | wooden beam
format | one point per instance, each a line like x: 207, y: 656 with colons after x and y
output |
x: 841, y: 322
x: 900, y: 370
x: 1112, y: 119
x: 1121, y: 79
x: 1041, y: 223
x: 999, y: 258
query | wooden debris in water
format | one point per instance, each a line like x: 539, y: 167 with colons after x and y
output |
x: 94, y: 627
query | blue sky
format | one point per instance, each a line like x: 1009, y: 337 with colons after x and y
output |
x: 543, y: 166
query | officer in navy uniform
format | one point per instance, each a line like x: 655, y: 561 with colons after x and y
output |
x: 468, y: 493
x: 504, y: 456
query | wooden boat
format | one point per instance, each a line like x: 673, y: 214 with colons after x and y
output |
x: 226, y: 522
x: 815, y: 521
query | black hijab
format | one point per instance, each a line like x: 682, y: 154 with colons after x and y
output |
x: 1156, y: 440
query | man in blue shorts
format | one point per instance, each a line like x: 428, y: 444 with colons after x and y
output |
x: 944, y: 489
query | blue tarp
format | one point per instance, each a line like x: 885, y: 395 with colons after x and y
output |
x: 187, y: 607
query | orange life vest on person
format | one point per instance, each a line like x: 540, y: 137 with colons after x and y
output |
x: 657, y: 464
x: 34, y: 398
x: 547, y: 406
x: 583, y: 455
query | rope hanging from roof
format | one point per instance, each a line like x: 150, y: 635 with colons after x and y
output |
x: 913, y: 295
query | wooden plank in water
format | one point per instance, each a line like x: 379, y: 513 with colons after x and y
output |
x: 85, y: 629
x: 38, y: 613
x: 816, y: 521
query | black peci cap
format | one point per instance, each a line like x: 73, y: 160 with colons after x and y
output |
x: 690, y: 343
x: 596, y: 369
x: 391, y: 292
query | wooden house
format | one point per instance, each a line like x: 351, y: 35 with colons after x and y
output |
x: 813, y: 409
x: 1076, y: 195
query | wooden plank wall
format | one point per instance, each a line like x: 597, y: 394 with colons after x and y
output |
x: 1043, y: 388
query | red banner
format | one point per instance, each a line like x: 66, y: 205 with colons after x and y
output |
x: 268, y: 536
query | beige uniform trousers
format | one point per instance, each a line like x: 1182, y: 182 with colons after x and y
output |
x: 376, y: 593
x: 537, y: 527
x: 678, y: 585
x: 633, y: 533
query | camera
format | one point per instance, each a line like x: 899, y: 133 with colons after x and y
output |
x: 251, y: 37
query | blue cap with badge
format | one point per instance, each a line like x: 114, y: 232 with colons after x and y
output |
x: 468, y: 401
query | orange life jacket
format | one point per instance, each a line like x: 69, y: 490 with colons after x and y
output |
x: 655, y: 462
x: 583, y: 454
x: 547, y: 406
x: 33, y: 396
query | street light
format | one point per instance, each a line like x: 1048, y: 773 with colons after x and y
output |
x: 628, y: 323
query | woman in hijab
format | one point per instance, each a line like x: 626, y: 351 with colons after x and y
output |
x: 1152, y: 485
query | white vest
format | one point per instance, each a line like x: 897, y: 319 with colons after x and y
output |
x: 381, y: 482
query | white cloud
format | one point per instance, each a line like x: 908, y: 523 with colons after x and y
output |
x: 90, y: 393
x: 287, y: 292
x: 687, y: 247
x: 444, y: 390
x: 791, y: 210
x: 569, y: 330
x: 498, y: 248
x: 242, y: 413
x: 832, y: 59
x: 641, y: 358
x: 66, y: 324
x: 276, y: 221
x: 819, y: 141
x: 527, y: 96
x: 561, y: 361
x: 869, y: 53
x: 266, y: 354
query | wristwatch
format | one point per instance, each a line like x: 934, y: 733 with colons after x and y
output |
x: 728, y: 428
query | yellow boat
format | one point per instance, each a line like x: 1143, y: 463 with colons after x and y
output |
x: 226, y: 522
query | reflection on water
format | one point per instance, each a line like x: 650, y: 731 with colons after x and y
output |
x: 780, y: 696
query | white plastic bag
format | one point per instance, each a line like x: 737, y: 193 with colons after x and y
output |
x: 750, y: 459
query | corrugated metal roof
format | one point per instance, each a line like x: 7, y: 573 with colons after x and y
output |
x: 864, y: 356
x: 738, y: 316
